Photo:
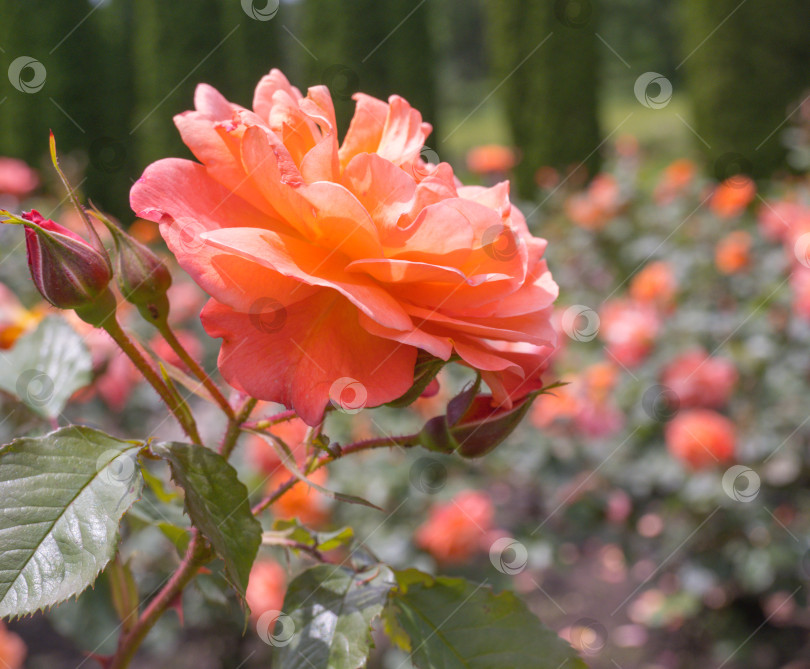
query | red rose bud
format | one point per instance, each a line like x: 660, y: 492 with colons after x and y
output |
x: 66, y: 270
x: 142, y: 277
x: 472, y: 427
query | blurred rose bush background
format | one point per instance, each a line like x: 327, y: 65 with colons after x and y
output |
x: 653, y: 510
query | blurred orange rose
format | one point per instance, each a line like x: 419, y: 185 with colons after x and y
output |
x: 701, y: 438
x: 302, y: 501
x: 15, y: 319
x: 266, y: 588
x: 12, y: 649
x: 733, y: 253
x: 455, y: 531
x: 732, y: 196
x: 655, y: 284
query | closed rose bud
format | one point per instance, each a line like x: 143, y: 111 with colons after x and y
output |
x: 142, y: 277
x: 67, y: 271
x: 472, y: 426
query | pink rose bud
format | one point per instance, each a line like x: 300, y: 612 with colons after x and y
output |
x: 66, y: 270
x: 142, y: 277
x: 472, y: 426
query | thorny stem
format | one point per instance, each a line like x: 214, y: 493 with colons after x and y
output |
x: 171, y: 339
x: 128, y: 347
x: 197, y: 554
x: 235, y: 428
x: 405, y: 441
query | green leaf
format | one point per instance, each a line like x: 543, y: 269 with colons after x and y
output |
x: 427, y: 367
x: 327, y: 618
x: 217, y: 503
x: 61, y: 499
x: 46, y: 367
x: 286, y: 531
x: 446, y: 623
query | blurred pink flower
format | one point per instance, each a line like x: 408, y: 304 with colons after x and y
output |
x: 593, y: 208
x: 800, y: 286
x: 455, y: 531
x: 700, y: 380
x: 629, y: 329
x: 778, y: 218
x: 16, y: 178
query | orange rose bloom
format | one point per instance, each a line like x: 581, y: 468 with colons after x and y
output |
x: 701, y: 438
x: 655, y: 283
x: 455, y: 531
x: 328, y: 262
x: 732, y: 196
x: 733, y: 253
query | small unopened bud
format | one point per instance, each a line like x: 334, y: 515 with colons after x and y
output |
x: 472, y: 426
x: 67, y: 271
x: 142, y: 277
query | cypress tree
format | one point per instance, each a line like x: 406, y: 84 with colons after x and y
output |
x: 65, y: 43
x: 377, y: 47
x: 746, y: 68
x: 545, y: 62
x: 176, y: 45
